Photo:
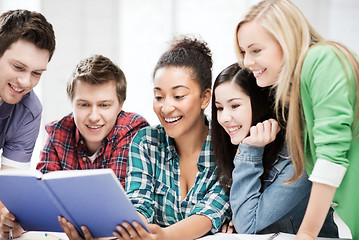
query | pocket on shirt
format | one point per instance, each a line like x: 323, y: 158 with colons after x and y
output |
x: 163, y: 195
x: 275, y: 171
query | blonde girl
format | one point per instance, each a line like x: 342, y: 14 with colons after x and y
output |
x: 316, y: 95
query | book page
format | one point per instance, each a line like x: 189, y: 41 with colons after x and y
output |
x: 77, y: 173
x: 22, y: 172
x: 235, y: 236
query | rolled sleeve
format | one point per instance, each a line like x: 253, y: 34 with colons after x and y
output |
x: 327, y: 172
x: 139, y: 178
x: 215, y: 206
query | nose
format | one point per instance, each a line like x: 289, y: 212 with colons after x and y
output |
x: 167, y: 106
x: 24, y: 80
x: 248, y: 61
x: 224, y: 116
x: 94, y: 114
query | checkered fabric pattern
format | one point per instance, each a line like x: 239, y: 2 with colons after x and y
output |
x: 65, y: 149
x: 153, y: 181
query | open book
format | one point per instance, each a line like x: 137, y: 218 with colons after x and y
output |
x: 94, y: 198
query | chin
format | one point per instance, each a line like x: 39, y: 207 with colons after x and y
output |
x: 235, y: 141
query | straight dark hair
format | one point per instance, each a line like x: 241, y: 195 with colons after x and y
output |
x: 262, y: 106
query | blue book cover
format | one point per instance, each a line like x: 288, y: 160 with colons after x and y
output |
x: 94, y: 198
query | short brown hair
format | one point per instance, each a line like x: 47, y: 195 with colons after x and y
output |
x: 95, y: 70
x: 26, y: 25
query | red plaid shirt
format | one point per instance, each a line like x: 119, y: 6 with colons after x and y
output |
x: 65, y: 149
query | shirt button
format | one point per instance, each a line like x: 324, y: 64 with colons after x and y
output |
x: 334, y: 204
x: 82, y: 142
x: 84, y: 158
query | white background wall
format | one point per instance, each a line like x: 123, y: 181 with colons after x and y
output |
x: 134, y: 33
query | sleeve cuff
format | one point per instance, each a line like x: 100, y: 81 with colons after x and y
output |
x: 11, y: 163
x: 328, y: 173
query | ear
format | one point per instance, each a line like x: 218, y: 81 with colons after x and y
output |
x: 206, y: 98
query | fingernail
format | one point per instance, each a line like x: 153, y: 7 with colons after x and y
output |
x: 135, y: 224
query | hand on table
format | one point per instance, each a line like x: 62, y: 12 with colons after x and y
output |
x: 137, y: 232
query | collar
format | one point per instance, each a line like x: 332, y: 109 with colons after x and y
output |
x: 6, y: 110
x: 206, y: 151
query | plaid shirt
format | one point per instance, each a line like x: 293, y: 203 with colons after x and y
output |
x: 153, y: 181
x: 65, y: 149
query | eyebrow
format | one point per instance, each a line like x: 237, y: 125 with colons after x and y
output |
x: 173, y: 88
x: 102, y: 101
x: 230, y: 100
x: 250, y: 45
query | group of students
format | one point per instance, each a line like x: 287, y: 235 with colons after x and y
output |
x: 277, y: 155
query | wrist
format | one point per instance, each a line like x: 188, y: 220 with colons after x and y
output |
x: 305, y: 236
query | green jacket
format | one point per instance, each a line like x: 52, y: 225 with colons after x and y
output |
x: 329, y: 105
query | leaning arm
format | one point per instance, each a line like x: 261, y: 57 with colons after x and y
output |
x: 320, y: 199
x: 184, y: 229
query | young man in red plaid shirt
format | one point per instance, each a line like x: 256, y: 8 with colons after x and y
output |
x: 98, y: 133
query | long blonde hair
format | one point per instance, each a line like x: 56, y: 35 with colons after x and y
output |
x: 296, y: 36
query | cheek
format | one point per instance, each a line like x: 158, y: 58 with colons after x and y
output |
x: 79, y: 116
x: 219, y: 118
x: 156, y: 107
x: 34, y: 82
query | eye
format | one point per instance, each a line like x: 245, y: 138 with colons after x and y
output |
x: 37, y: 74
x: 219, y: 109
x: 234, y: 106
x: 83, y: 105
x: 17, y: 67
x: 179, y: 97
x: 256, y: 51
x: 104, y: 105
x: 158, y: 98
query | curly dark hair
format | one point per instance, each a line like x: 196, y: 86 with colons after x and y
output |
x: 189, y: 53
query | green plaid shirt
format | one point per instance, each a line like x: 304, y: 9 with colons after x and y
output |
x: 153, y: 181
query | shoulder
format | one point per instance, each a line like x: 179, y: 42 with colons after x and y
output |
x: 130, y: 120
x: 66, y: 124
x: 323, y: 62
x: 32, y: 103
x: 153, y: 135
x: 320, y: 52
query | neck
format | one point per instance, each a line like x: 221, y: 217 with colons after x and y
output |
x: 193, y: 141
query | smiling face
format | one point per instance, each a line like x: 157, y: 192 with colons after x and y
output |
x: 178, y: 100
x: 21, y: 67
x: 261, y: 53
x: 95, y: 109
x: 234, y: 111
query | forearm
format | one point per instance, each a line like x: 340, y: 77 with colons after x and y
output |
x: 184, y: 229
x: 320, y: 199
x: 254, y: 206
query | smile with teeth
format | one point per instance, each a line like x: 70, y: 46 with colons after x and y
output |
x: 258, y: 72
x: 172, y: 119
x: 94, y: 127
x: 19, y: 90
x: 232, y: 129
